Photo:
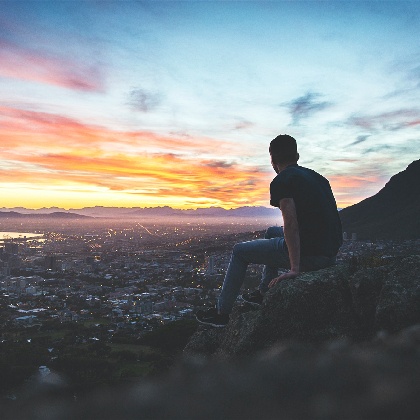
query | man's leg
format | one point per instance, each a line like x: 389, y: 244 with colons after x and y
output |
x: 269, y: 252
x: 270, y: 272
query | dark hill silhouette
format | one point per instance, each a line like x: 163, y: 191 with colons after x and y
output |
x: 392, y: 213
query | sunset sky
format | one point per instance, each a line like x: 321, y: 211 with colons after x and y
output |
x: 149, y: 103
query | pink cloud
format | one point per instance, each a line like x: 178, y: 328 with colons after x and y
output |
x: 45, y: 129
x: 23, y: 63
x: 394, y: 120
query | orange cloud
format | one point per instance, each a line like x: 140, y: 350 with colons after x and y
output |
x: 148, y: 175
x: 56, y: 153
x: 51, y: 150
x: 42, y: 130
x: 349, y: 190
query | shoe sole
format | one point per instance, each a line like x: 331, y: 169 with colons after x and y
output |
x: 210, y: 323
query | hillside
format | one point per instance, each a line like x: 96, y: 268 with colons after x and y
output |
x: 392, y: 213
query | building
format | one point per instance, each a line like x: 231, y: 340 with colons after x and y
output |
x: 4, y: 269
x: 11, y: 248
x: 210, y: 266
x: 51, y: 262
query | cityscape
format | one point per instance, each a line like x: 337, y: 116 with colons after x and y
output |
x: 94, y: 285
x: 72, y: 285
x: 133, y: 275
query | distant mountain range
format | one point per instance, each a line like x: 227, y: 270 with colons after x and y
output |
x: 54, y: 215
x: 392, y: 213
x: 99, y: 211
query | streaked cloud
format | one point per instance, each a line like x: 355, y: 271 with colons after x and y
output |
x: 147, y: 175
x: 46, y: 129
x: 243, y: 125
x: 30, y: 64
x: 360, y: 139
x: 387, y: 121
x: 305, y: 106
x: 378, y: 148
x: 350, y: 189
x: 143, y: 100
x: 87, y: 156
x: 219, y: 164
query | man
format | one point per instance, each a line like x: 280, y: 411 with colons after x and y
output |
x: 309, y: 240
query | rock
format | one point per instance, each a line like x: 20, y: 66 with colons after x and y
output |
x: 337, y: 302
x: 387, y: 297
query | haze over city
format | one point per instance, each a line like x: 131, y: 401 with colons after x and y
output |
x: 143, y: 104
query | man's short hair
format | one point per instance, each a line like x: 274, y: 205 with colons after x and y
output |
x: 283, y: 149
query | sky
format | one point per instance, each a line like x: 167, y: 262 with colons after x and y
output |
x: 168, y: 103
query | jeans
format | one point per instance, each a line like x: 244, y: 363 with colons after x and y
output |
x: 270, y: 251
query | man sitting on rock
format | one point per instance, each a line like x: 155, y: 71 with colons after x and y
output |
x: 309, y: 240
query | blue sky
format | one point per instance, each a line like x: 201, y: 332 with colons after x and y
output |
x: 145, y: 103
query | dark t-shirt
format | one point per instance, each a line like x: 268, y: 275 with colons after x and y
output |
x: 319, y: 223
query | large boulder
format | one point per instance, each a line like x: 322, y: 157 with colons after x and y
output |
x: 387, y: 297
x: 345, y: 301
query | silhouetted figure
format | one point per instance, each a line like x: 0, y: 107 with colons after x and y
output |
x: 309, y: 240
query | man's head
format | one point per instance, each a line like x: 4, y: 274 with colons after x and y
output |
x: 283, y: 150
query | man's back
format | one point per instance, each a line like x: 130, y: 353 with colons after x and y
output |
x: 316, y: 209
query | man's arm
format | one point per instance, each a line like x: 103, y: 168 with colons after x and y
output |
x: 292, y: 238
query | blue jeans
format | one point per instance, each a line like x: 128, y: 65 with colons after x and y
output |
x: 270, y: 251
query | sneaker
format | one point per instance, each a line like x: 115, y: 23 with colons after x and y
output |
x: 211, y: 317
x: 254, y: 298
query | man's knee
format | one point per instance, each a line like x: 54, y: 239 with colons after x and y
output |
x: 274, y: 232
x: 238, y: 249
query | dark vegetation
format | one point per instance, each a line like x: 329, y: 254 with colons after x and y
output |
x: 377, y: 380
x: 83, y: 358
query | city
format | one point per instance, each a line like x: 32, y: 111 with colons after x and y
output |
x: 107, y: 286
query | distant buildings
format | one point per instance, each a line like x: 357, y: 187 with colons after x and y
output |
x: 353, y: 236
x: 210, y: 266
x: 11, y: 248
x: 51, y: 262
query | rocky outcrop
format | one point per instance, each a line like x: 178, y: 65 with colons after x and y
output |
x: 346, y: 301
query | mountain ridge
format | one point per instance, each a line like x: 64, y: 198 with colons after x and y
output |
x: 392, y: 213
x: 164, y: 211
x: 54, y: 215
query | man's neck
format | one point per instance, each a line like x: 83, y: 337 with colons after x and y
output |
x: 282, y: 166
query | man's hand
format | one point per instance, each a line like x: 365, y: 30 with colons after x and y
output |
x: 289, y: 275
